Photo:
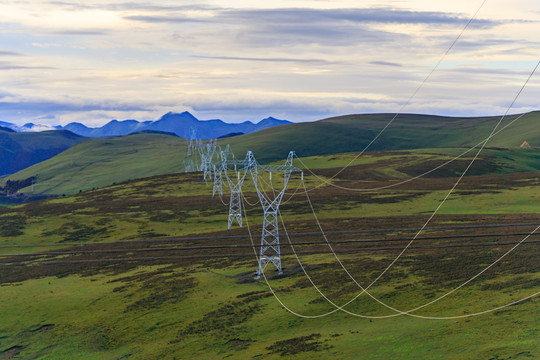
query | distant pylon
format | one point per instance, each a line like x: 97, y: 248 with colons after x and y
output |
x: 206, y: 153
x: 235, y: 204
x: 270, y: 250
x: 218, y: 181
x: 189, y: 166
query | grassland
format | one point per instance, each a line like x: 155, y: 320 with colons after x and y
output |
x: 100, y: 162
x: 121, y: 298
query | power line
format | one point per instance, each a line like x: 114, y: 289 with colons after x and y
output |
x: 416, y: 90
x: 399, y: 312
x: 434, y: 212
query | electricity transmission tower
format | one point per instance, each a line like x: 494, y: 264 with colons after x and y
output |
x: 235, y: 185
x: 194, y: 143
x: 206, y: 152
x: 270, y: 251
x: 218, y: 171
x: 235, y: 204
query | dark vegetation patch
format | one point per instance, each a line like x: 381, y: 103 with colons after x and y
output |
x: 254, y: 295
x: 451, y: 270
x: 484, y: 166
x: 298, y: 345
x: 12, y: 225
x: 225, y: 319
x: 11, y: 352
x: 42, y: 328
x: 522, y: 282
x: 238, y: 344
x: 78, y: 232
x: 162, y: 289
x: 13, y: 186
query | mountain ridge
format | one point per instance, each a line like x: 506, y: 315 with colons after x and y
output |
x: 180, y: 124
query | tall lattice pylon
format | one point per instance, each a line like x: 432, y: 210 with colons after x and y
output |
x: 235, y: 204
x: 206, y: 153
x: 218, y: 177
x: 270, y: 250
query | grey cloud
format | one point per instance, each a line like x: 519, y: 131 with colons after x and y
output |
x: 165, y: 19
x: 489, y: 71
x: 46, y: 108
x: 468, y: 44
x: 305, y: 15
x: 331, y: 27
x: 306, y: 34
x: 377, y: 15
x: 10, y: 53
x: 10, y: 66
x: 131, y: 6
x: 238, y: 58
x: 385, y: 63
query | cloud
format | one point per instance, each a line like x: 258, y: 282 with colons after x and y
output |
x: 320, y: 16
x: 164, y: 19
x: 45, y: 106
x: 259, y: 28
x: 269, y: 59
x: 374, y: 15
x: 80, y: 32
x: 385, y: 63
x: 21, y: 111
x: 10, y: 53
x: 10, y: 66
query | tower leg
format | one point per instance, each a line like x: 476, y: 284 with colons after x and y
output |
x: 235, y: 206
x: 270, y: 251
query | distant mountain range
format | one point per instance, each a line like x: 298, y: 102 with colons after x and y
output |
x: 179, y: 124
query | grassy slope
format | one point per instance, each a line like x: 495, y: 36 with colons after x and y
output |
x: 104, y: 161
x: 207, y: 309
x: 354, y: 132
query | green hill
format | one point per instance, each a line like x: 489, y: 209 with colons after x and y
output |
x: 408, y: 131
x: 20, y: 150
x: 101, y: 162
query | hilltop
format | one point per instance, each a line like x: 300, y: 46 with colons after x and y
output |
x: 352, y: 133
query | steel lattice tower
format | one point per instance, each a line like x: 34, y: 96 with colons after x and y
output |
x: 206, y: 153
x: 218, y: 171
x: 235, y: 205
x: 270, y: 250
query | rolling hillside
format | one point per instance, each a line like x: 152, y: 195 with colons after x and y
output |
x: 20, y: 150
x: 100, y: 162
x: 408, y: 131
x: 147, y: 270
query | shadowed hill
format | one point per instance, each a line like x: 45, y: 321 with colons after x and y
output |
x: 104, y: 161
x: 20, y: 150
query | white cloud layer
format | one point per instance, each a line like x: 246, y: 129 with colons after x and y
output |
x: 299, y: 60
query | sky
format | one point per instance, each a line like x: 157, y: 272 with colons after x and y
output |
x: 301, y: 60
